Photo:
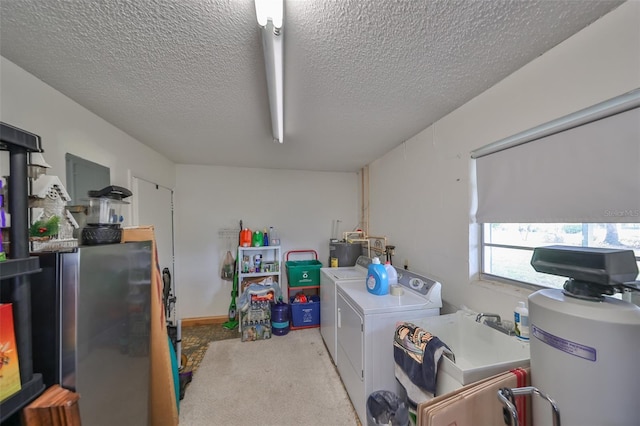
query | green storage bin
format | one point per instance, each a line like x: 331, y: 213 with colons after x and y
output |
x: 301, y: 273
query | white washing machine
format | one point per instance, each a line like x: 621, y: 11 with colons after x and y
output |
x: 329, y: 278
x: 365, y: 330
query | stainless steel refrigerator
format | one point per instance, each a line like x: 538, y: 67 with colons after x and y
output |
x: 91, y: 328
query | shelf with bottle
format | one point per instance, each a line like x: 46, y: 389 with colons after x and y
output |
x: 257, y: 264
x: 15, y: 272
x: 264, y: 238
x: 259, y: 261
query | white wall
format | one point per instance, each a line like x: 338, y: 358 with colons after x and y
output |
x: 432, y: 177
x: 67, y: 127
x: 300, y: 205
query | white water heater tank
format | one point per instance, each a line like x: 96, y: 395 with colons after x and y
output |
x: 585, y: 355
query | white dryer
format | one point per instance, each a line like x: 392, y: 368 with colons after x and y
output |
x: 329, y: 278
x: 365, y: 330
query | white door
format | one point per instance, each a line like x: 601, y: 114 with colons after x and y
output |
x: 153, y: 205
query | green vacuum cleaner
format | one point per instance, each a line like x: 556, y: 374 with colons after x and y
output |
x: 233, y: 312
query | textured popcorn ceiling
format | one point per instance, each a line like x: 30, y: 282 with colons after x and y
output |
x: 186, y: 77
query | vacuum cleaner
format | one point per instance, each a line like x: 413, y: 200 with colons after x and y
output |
x: 233, y: 311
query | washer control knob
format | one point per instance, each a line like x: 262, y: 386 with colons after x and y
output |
x: 416, y: 283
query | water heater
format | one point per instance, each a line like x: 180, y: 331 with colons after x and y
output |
x: 344, y: 253
x: 584, y: 343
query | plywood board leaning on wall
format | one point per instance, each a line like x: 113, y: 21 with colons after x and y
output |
x: 163, y: 408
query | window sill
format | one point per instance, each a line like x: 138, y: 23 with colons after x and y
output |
x: 507, y: 287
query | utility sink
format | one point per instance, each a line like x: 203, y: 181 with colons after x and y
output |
x: 480, y: 351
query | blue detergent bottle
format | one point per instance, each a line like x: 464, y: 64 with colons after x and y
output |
x: 377, y: 279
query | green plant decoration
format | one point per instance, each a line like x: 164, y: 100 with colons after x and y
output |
x: 46, y: 228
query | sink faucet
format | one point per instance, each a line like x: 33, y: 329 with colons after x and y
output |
x: 496, y: 324
x: 483, y: 315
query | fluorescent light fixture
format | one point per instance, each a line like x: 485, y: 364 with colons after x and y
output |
x: 269, y: 10
x: 270, y: 14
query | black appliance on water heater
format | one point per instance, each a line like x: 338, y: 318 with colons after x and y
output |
x: 91, y: 328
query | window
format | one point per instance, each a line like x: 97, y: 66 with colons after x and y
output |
x: 572, y: 181
x: 507, y: 247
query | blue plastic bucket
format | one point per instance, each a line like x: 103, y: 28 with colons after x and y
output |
x: 280, y: 318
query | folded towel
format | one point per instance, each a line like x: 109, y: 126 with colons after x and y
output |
x: 416, y: 353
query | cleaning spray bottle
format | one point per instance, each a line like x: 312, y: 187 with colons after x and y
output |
x: 377, y: 279
x: 521, y: 319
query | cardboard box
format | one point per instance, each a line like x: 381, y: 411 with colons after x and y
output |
x: 9, y: 366
x: 55, y: 407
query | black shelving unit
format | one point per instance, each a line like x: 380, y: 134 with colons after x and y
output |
x: 15, y: 272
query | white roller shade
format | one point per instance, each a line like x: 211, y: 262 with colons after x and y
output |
x: 588, y: 173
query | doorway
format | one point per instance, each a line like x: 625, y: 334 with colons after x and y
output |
x: 152, y: 204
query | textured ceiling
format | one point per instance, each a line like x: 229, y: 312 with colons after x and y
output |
x: 186, y: 77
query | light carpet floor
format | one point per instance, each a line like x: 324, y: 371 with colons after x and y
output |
x: 285, y: 380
